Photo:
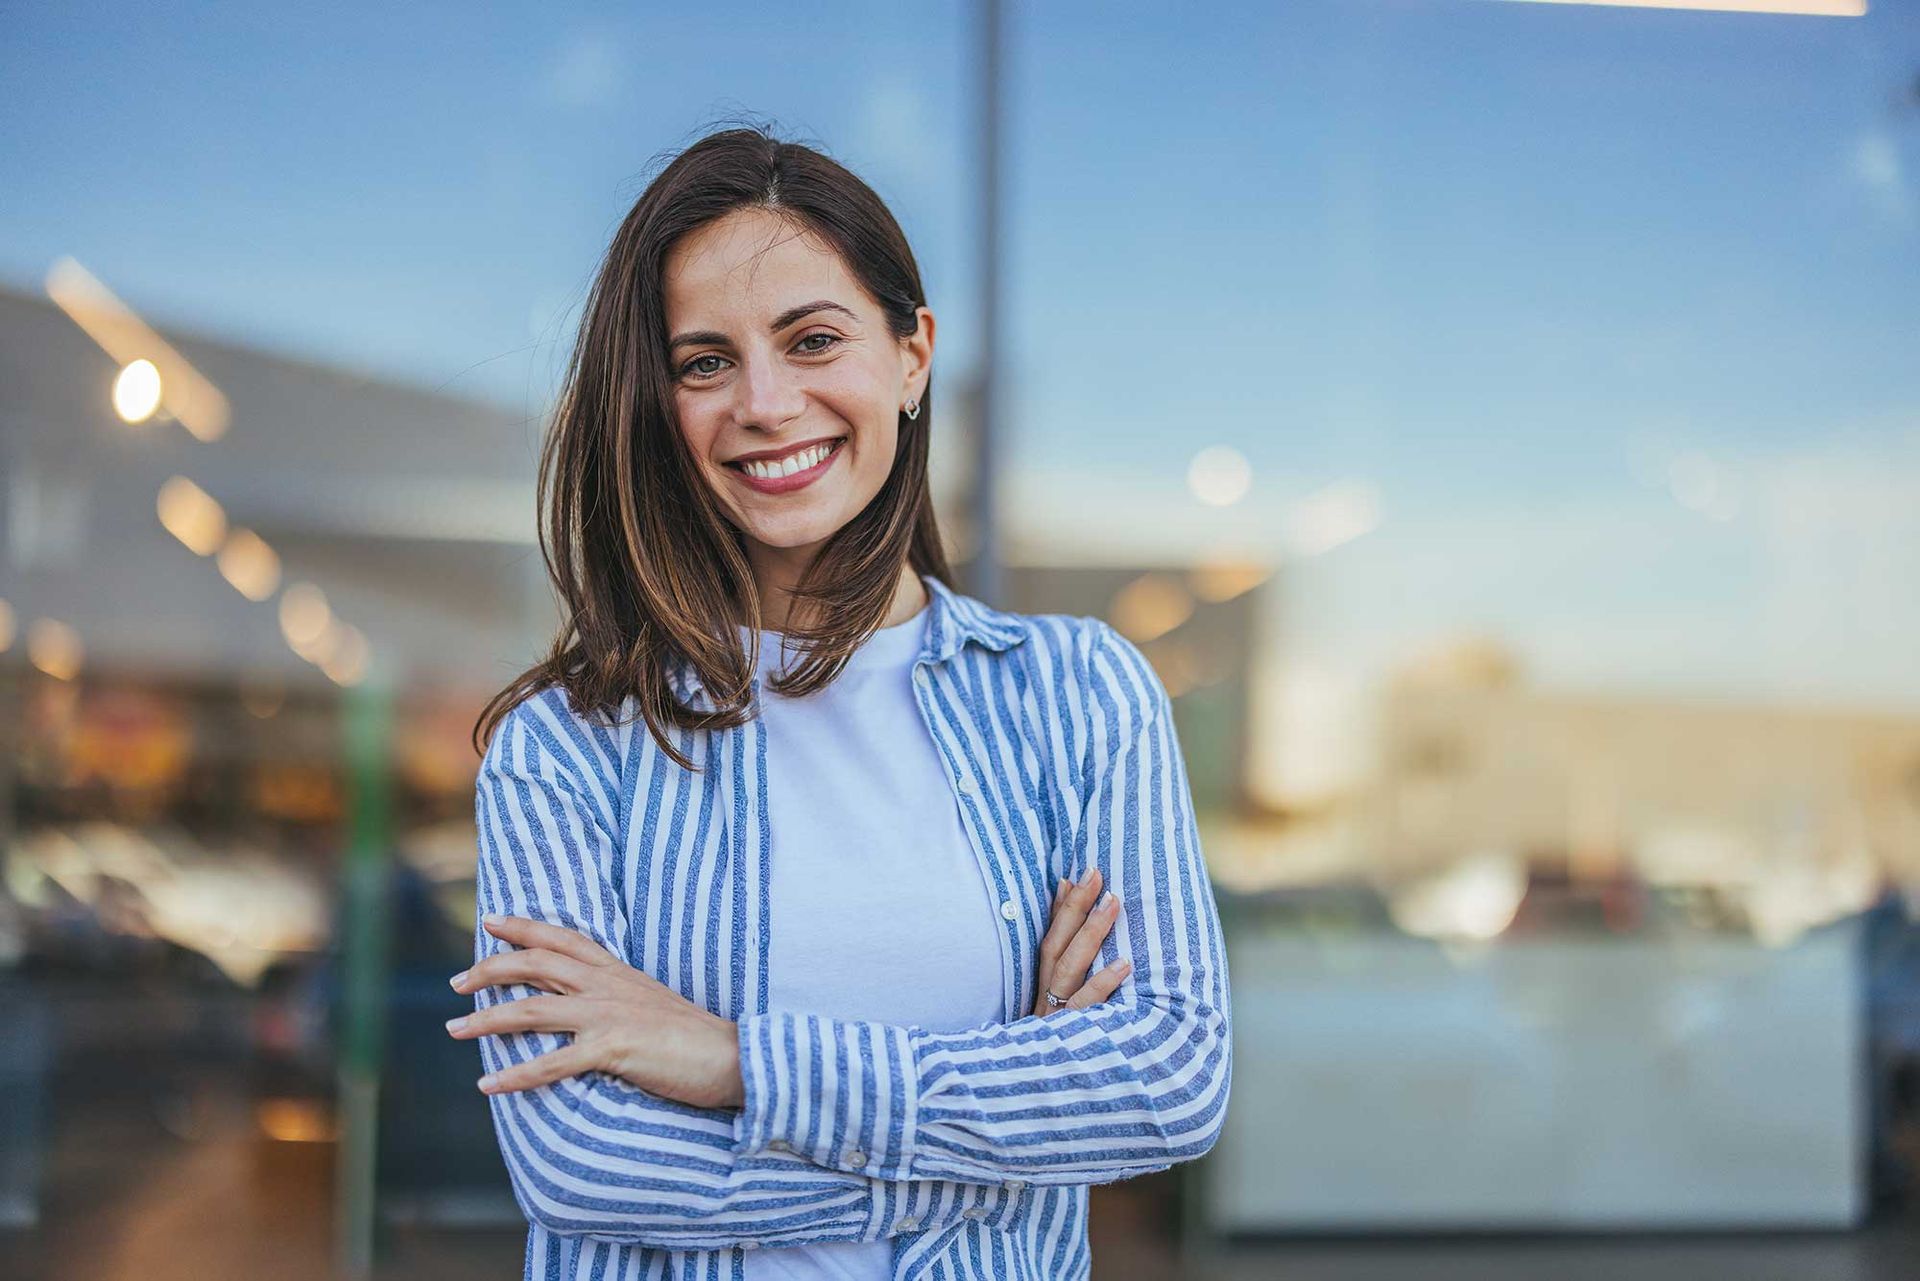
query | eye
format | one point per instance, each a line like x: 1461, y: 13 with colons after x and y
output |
x: 689, y: 373
x: 687, y: 370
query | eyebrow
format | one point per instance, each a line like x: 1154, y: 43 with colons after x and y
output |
x: 781, y: 321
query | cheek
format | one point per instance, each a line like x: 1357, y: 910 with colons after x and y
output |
x: 858, y: 390
x: 873, y: 460
x: 883, y: 444
x: 868, y: 405
x: 698, y: 427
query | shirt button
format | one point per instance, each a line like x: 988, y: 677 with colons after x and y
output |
x: 909, y: 1223
x: 1015, y: 1187
x: 966, y: 782
x: 780, y: 1145
x: 1008, y: 910
x: 749, y: 1245
x: 856, y: 1157
x: 974, y: 1212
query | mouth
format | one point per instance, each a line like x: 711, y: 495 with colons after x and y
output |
x: 784, y: 475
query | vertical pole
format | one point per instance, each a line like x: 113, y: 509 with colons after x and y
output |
x: 986, y: 543
x: 13, y: 710
x: 368, y: 711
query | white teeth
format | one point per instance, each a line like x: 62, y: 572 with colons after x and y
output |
x: 788, y: 465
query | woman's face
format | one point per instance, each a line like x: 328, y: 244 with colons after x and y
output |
x: 778, y: 355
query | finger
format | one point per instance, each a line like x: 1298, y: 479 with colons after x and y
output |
x: 1071, y: 969
x: 1049, y: 942
x: 1082, y: 893
x: 527, y: 932
x: 535, y: 966
x: 1067, y: 969
x: 1050, y: 945
x: 1062, y: 921
x: 1068, y: 914
x: 1100, y: 985
x: 1040, y: 1003
x: 526, y: 1014
x: 1042, y: 1006
x: 1068, y: 917
x: 570, y: 1059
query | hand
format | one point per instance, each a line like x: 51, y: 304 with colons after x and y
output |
x: 1078, y: 925
x: 624, y: 1022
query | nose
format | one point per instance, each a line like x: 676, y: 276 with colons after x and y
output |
x: 768, y: 395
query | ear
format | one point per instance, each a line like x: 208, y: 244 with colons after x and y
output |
x: 916, y: 351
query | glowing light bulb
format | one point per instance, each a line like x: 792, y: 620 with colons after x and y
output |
x: 1219, y: 476
x: 136, y: 391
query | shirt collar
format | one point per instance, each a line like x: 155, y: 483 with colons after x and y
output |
x: 954, y: 619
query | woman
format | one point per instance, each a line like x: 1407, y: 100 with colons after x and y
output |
x: 785, y: 832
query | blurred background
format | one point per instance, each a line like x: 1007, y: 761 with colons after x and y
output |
x: 1498, y: 422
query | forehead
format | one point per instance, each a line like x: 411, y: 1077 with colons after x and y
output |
x: 751, y: 263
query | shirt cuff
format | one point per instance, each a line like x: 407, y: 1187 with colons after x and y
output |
x: 841, y: 1093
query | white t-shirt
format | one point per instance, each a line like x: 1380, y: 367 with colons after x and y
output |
x: 879, y: 906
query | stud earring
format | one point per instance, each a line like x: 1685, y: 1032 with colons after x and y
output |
x: 913, y: 409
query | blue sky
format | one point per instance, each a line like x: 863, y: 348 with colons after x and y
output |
x: 1502, y: 262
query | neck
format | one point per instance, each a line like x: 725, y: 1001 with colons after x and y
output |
x: 775, y: 584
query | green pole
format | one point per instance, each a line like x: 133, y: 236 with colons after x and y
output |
x: 368, y: 734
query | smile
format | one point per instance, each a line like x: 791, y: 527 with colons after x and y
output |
x: 784, y: 475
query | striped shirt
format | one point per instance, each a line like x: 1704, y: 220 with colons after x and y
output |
x: 972, y: 1152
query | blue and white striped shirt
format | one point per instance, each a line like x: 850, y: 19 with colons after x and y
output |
x: 971, y: 1151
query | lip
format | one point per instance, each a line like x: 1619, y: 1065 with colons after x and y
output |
x: 772, y: 455
x: 799, y: 479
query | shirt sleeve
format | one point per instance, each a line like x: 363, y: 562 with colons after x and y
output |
x: 592, y: 1154
x: 1126, y: 1087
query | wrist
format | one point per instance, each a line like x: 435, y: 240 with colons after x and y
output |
x: 732, y: 1086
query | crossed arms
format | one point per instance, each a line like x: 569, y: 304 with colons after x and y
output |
x: 855, y: 1129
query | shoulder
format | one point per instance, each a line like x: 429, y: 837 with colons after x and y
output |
x: 1101, y: 669
x: 542, y: 722
x: 1063, y: 641
x: 1105, y: 689
x: 545, y: 738
x: 1122, y: 685
x: 1091, y: 667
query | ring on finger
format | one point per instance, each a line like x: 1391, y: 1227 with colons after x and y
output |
x: 1054, y: 1002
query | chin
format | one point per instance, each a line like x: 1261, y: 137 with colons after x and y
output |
x: 788, y: 537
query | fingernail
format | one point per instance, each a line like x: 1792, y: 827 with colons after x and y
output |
x: 488, y: 1081
x: 1105, y: 900
x: 492, y: 918
x: 454, y: 1025
x: 458, y: 979
x: 1086, y: 877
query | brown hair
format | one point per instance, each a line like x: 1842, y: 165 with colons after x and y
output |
x: 647, y: 568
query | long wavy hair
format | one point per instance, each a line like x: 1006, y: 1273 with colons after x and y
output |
x: 647, y: 568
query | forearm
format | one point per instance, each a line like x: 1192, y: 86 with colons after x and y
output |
x: 1077, y: 1097
x: 589, y: 1155
x: 592, y: 1155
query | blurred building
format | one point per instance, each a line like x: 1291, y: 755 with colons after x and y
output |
x: 411, y: 512
x: 1199, y: 625
x: 1797, y: 815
